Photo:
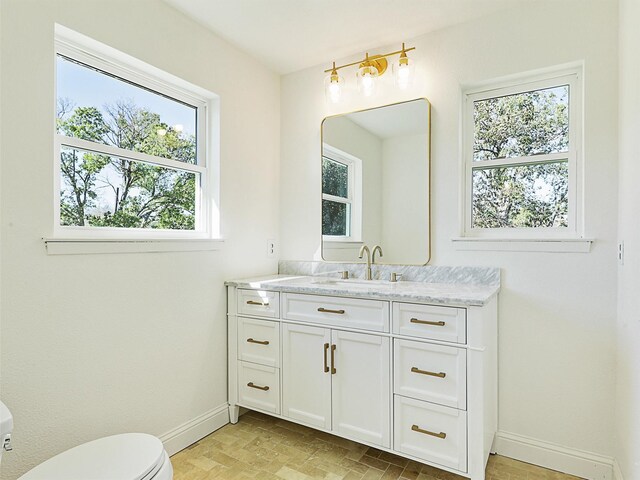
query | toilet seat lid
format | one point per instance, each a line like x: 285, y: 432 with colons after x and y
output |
x: 129, y: 456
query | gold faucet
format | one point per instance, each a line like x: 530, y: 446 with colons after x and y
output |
x: 378, y: 249
x: 364, y: 249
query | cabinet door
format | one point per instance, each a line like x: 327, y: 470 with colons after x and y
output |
x: 360, y: 387
x: 306, y: 377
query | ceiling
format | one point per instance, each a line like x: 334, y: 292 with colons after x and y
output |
x: 290, y: 35
x: 408, y: 118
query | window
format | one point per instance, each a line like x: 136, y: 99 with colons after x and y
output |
x: 130, y: 152
x: 341, y: 195
x: 522, y: 164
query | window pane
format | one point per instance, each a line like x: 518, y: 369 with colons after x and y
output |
x: 519, y: 125
x: 98, y: 190
x: 335, y: 178
x: 96, y: 106
x: 521, y: 196
x: 336, y: 218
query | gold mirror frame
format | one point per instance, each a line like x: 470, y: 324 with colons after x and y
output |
x: 428, y: 179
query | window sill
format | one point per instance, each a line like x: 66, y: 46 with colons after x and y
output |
x: 554, y: 245
x: 342, y: 244
x: 83, y: 246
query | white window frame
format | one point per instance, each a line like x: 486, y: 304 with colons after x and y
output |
x: 94, y: 54
x: 354, y: 197
x: 558, y: 77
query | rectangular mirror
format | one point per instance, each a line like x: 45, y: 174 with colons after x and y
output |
x: 375, y: 183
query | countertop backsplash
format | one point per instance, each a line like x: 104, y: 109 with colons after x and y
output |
x: 488, y: 276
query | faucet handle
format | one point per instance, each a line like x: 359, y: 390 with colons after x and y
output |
x: 394, y: 276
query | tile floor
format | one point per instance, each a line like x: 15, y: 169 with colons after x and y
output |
x: 262, y: 447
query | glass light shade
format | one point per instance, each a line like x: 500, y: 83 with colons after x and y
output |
x: 367, y: 78
x: 333, y: 85
x: 404, y: 72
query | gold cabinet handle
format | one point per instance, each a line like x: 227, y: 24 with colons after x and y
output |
x: 253, y: 302
x: 416, y: 428
x: 427, y: 322
x: 327, y: 310
x: 426, y: 372
x: 259, y: 342
x: 252, y: 385
x: 333, y: 359
x: 326, y: 366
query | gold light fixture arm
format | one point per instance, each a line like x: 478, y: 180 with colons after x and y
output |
x: 370, y: 59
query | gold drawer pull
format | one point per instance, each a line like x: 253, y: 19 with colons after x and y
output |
x: 416, y: 428
x: 333, y: 359
x: 427, y: 322
x: 259, y: 342
x: 253, y: 302
x: 426, y: 372
x: 326, y: 366
x: 251, y: 384
x: 326, y: 310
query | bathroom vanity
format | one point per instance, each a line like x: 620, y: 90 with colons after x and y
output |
x: 406, y: 367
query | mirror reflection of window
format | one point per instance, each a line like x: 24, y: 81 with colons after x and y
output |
x: 341, y: 195
x: 336, y: 204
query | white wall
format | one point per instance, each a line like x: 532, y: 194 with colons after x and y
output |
x: 100, y: 344
x: 405, y: 194
x: 628, y: 368
x: 557, y: 311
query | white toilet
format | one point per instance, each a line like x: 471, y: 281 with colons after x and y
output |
x: 129, y: 456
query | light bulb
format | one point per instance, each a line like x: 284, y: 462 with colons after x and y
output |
x: 368, y: 84
x: 367, y: 75
x: 403, y: 70
x: 334, y: 92
x: 333, y: 86
x: 403, y: 76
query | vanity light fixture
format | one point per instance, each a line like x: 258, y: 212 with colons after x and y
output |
x: 369, y: 69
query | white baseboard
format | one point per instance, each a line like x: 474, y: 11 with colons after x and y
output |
x: 555, y: 457
x: 190, y: 432
x: 617, y: 473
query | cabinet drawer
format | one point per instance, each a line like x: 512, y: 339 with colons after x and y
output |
x: 431, y: 432
x: 259, y: 387
x: 434, y: 373
x: 259, y: 303
x: 448, y: 324
x: 259, y: 341
x: 335, y: 311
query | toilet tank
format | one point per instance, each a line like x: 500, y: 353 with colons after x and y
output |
x: 6, y: 427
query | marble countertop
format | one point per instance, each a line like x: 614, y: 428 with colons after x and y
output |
x: 434, y: 293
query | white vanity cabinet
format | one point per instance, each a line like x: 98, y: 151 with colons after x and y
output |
x: 408, y: 377
x: 338, y: 381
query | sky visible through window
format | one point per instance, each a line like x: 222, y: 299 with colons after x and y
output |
x: 85, y: 87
